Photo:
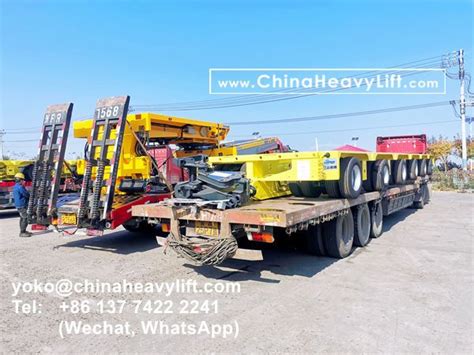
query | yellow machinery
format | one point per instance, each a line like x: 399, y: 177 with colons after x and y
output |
x: 121, y: 168
x: 8, y: 168
x: 150, y: 129
x: 122, y: 153
x: 340, y: 173
x: 242, y: 147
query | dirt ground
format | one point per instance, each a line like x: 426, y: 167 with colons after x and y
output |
x: 411, y: 290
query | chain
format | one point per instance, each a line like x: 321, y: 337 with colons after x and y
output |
x: 203, y: 251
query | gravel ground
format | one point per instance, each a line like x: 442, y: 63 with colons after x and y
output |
x: 411, y: 290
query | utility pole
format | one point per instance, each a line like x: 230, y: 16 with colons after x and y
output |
x: 2, y: 133
x: 462, y: 109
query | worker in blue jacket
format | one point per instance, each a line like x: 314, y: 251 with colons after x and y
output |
x: 21, y: 196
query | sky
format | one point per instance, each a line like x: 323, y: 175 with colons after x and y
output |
x: 160, y: 52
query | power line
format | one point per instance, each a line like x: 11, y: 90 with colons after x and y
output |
x: 22, y: 140
x: 442, y: 58
x: 32, y: 132
x: 399, y: 66
x: 243, y: 100
x: 427, y: 123
x: 325, y: 117
x: 346, y: 114
x: 249, y: 100
x: 263, y: 99
x: 21, y: 130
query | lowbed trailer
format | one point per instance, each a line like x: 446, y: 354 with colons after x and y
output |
x: 127, y: 161
x: 327, y: 226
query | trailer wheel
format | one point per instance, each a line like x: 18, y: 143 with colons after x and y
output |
x: 332, y: 188
x: 429, y: 167
x: 368, y: 183
x: 362, y: 225
x: 422, y: 167
x: 28, y: 172
x: 309, y: 189
x: 399, y: 172
x: 143, y: 228
x: 381, y: 175
x: 426, y: 194
x: 412, y: 169
x: 339, y: 235
x: 350, y: 182
x: 295, y: 189
x: 376, y: 220
x: 313, y: 241
x: 424, y: 198
x: 419, y: 205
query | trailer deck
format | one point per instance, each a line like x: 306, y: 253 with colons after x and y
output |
x: 283, y: 212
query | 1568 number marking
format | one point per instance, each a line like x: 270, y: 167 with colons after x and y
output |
x: 107, y: 111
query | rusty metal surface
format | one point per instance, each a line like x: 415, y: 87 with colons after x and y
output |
x: 156, y: 210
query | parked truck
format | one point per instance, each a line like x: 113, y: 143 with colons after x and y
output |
x: 128, y: 161
x: 70, y: 179
x: 8, y: 169
x: 333, y: 200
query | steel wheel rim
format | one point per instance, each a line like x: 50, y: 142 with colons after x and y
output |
x: 385, y: 175
x: 356, y: 178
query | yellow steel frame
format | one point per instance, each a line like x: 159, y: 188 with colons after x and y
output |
x: 232, y: 148
x: 270, y: 173
x: 172, y: 130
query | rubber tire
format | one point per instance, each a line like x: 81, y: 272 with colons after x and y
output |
x: 412, y: 168
x: 28, y: 172
x: 333, y: 231
x: 313, y: 241
x: 332, y: 189
x: 346, y: 183
x: 426, y: 194
x: 419, y: 205
x: 379, y: 184
x: 397, y: 172
x: 295, y: 189
x: 376, y: 220
x: 422, y: 167
x: 429, y: 167
x: 368, y: 184
x: 309, y: 189
x: 144, y: 228
x: 362, y: 225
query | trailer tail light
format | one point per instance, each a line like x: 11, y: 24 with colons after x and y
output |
x: 263, y: 237
x: 7, y: 183
x: 165, y: 227
x: 94, y: 232
x: 38, y: 227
